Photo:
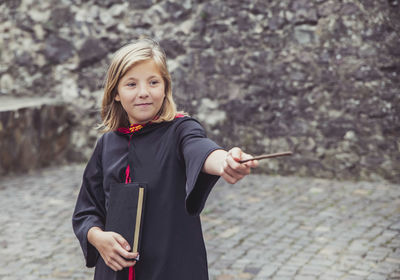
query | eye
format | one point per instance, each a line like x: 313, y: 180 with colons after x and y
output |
x: 131, y: 84
x: 154, y: 82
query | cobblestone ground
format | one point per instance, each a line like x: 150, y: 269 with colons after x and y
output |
x: 262, y: 228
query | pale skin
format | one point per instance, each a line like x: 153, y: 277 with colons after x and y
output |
x: 141, y: 91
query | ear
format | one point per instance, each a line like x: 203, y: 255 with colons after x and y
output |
x: 117, y: 98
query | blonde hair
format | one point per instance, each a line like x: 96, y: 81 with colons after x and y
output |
x: 112, y: 113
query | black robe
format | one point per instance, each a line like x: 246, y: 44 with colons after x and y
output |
x: 168, y: 157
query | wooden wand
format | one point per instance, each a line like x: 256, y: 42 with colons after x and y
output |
x: 267, y: 156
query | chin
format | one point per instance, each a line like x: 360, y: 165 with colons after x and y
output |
x: 144, y: 120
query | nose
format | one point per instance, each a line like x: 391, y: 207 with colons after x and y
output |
x: 143, y: 91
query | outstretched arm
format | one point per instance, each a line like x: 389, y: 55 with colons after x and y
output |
x: 226, y: 164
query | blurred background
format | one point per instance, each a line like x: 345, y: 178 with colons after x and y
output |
x: 320, y: 78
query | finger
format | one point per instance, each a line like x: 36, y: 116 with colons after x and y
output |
x: 252, y: 163
x: 245, y: 156
x: 229, y: 179
x: 123, y: 263
x: 131, y: 264
x: 226, y: 169
x: 128, y: 255
x: 122, y: 242
x: 237, y: 167
x: 126, y: 259
x: 237, y: 174
x: 117, y: 266
x: 128, y: 263
x: 231, y: 161
x: 230, y: 175
x: 236, y: 153
x: 114, y: 265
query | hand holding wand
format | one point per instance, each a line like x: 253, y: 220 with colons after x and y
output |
x: 267, y: 156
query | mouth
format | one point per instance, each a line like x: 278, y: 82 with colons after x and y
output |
x: 143, y: 104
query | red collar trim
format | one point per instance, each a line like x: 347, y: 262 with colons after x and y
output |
x: 136, y: 127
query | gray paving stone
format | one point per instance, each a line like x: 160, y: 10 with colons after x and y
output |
x: 353, y: 277
x: 375, y: 276
x: 386, y: 267
x: 362, y: 273
x: 378, y: 254
x: 261, y: 228
x: 304, y: 277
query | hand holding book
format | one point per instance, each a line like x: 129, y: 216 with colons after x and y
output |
x: 113, y: 248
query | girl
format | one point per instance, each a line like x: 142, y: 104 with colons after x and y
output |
x: 147, y: 140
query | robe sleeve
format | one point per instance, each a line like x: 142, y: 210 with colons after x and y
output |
x: 195, y: 147
x: 90, y: 206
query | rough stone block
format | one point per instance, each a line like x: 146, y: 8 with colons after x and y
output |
x: 33, y: 133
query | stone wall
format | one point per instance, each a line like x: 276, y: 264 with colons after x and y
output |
x: 320, y: 77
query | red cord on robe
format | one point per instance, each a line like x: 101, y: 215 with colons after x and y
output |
x: 133, y: 128
x: 128, y: 180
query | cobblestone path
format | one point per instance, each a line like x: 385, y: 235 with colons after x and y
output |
x: 261, y: 228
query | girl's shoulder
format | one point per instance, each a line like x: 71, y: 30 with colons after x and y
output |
x: 186, y: 120
x: 188, y: 126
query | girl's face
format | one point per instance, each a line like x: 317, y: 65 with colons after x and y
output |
x: 141, y: 92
